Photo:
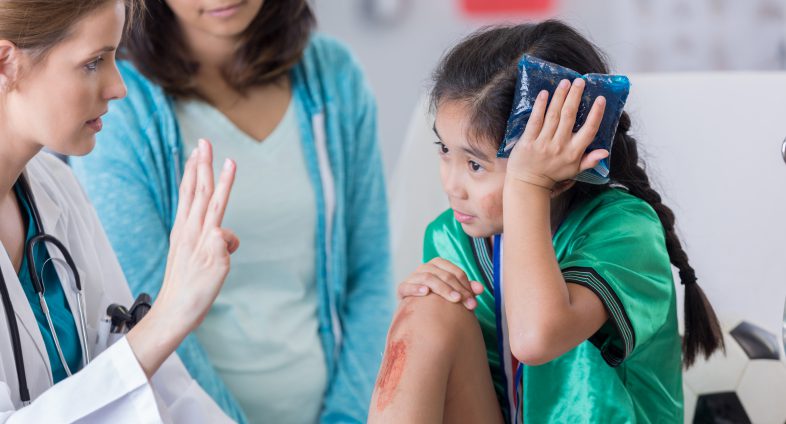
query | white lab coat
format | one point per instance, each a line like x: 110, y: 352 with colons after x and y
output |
x: 113, y: 387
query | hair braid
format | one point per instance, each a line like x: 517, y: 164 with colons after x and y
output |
x: 702, y: 330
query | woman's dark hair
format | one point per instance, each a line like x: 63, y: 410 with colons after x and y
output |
x: 271, y: 45
x: 481, y: 71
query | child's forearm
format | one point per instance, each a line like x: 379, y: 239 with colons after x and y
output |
x: 545, y: 316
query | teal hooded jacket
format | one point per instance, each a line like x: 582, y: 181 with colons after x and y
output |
x: 132, y: 178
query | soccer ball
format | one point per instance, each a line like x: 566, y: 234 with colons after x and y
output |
x: 747, y: 385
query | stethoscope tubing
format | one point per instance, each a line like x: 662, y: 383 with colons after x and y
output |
x: 41, y: 236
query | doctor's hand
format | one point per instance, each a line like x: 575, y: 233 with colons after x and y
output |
x: 197, y: 264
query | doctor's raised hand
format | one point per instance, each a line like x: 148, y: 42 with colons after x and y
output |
x: 197, y: 264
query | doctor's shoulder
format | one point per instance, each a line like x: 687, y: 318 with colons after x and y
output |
x: 50, y: 174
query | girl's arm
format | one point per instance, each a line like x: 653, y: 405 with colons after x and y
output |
x: 546, y: 317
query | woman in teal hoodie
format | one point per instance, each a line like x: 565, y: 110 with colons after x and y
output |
x: 296, y: 334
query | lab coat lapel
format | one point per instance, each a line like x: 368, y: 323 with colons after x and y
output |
x: 27, y: 325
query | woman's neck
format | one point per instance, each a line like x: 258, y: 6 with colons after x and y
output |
x: 212, y: 53
x: 14, y: 156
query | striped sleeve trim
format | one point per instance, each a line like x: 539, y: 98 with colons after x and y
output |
x: 482, y: 252
x: 590, y: 279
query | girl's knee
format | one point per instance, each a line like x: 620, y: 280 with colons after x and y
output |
x: 433, y: 318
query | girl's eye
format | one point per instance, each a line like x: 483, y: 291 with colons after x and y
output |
x: 442, y: 148
x: 474, y: 166
x: 93, y: 66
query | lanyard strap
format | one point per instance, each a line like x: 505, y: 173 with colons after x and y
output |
x: 511, y: 370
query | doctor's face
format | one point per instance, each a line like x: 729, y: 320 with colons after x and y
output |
x: 58, y: 100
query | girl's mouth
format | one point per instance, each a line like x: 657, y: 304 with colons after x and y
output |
x: 462, y: 217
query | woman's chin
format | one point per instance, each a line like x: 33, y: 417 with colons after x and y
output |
x: 80, y: 147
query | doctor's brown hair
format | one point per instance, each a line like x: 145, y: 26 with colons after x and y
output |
x: 481, y: 71
x: 270, y: 46
x: 36, y: 26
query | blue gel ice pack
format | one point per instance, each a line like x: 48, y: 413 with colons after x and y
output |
x: 536, y: 75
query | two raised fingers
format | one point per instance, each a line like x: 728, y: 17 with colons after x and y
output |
x: 204, y: 187
x: 200, y: 204
x: 220, y: 198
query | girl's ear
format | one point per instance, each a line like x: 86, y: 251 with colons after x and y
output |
x: 9, y: 64
x: 562, y: 187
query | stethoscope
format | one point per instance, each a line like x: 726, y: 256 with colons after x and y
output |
x: 39, y: 237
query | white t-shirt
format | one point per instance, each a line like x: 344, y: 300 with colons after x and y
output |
x: 262, y: 332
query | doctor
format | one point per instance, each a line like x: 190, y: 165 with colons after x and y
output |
x: 59, y: 274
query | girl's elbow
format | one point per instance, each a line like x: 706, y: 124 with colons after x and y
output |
x: 532, y: 349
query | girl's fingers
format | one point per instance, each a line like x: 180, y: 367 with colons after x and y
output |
x: 477, y: 287
x: 536, y: 117
x: 448, y: 278
x: 457, y: 272
x: 583, y: 138
x: 406, y: 289
x: 436, y: 285
x: 442, y: 289
x: 591, y: 159
x: 569, y: 110
x: 204, y: 187
x: 218, y: 202
x: 555, y: 109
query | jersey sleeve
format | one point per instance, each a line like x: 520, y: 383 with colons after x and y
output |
x: 619, y: 252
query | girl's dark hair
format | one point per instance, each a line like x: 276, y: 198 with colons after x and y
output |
x: 481, y: 72
x: 271, y: 45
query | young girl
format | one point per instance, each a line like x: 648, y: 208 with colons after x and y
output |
x: 296, y: 333
x: 584, y: 328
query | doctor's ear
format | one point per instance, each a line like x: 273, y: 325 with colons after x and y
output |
x: 9, y: 64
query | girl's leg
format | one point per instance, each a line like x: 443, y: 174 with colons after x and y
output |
x: 435, y: 367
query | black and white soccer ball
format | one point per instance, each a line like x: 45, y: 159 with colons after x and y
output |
x: 747, y: 385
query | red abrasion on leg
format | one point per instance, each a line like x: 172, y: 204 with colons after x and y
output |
x: 394, y: 361
x: 390, y: 374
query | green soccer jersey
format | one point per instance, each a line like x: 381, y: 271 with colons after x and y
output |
x: 630, y: 370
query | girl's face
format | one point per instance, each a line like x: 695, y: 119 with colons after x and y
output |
x: 217, y: 18
x: 58, y: 101
x: 472, y: 175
